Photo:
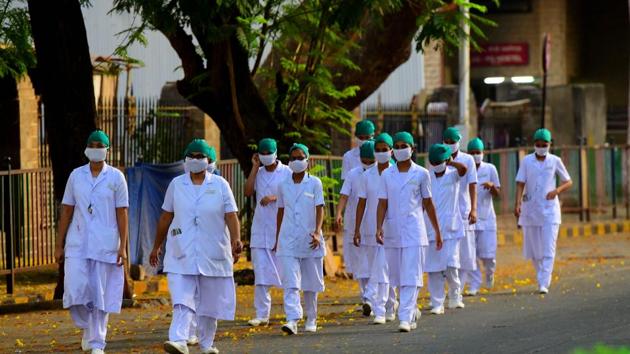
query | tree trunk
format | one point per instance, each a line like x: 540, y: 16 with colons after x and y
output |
x: 64, y: 79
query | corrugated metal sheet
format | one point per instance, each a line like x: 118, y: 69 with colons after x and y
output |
x: 401, y: 85
x: 160, y: 60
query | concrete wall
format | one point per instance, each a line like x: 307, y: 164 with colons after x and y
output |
x: 29, y: 124
x: 590, y: 112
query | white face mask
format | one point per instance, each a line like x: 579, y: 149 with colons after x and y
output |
x: 196, y: 165
x: 383, y: 157
x: 542, y: 151
x: 402, y: 154
x: 267, y: 160
x: 359, y: 141
x: 96, y: 154
x: 212, y: 167
x: 454, y: 147
x: 366, y: 166
x: 298, y: 166
x: 478, y: 158
x: 439, y: 168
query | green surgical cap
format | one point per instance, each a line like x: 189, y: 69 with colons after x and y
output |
x: 201, y: 146
x: 439, y: 153
x: 475, y: 144
x: 451, y: 133
x: 301, y: 147
x: 98, y: 136
x: 404, y: 137
x: 542, y: 134
x: 384, y: 138
x: 367, y: 150
x: 267, y: 144
x: 364, y: 127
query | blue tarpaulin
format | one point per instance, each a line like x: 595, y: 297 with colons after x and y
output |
x: 147, y: 187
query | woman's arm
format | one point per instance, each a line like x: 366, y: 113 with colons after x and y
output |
x: 279, y: 217
x: 358, y: 221
x: 343, y: 201
x: 381, y: 210
x: 460, y: 167
x: 64, y: 222
x: 520, y: 187
x: 427, y: 204
x: 234, y: 227
x: 251, y: 179
x: 122, y: 218
x: 160, y: 235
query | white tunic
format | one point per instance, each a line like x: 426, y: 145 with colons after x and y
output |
x: 445, y: 191
x: 264, y: 223
x: 404, y: 193
x: 351, y: 160
x: 486, y: 218
x: 197, y: 243
x: 540, y: 178
x: 350, y: 188
x: 368, y: 190
x: 93, y: 232
x: 299, y: 201
x: 469, y: 178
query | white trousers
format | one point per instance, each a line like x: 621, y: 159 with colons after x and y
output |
x: 93, y: 322
x: 405, y: 273
x: 408, y: 303
x: 539, y: 245
x: 489, y: 264
x: 180, y: 328
x: 436, y: 286
x: 266, y: 274
x: 293, y: 307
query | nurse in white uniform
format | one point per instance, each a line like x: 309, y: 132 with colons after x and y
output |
x: 443, y: 264
x: 300, y: 241
x: 363, y: 131
x: 404, y: 195
x: 486, y: 227
x: 264, y: 181
x: 199, y: 253
x: 372, y: 258
x: 537, y: 205
x: 348, y: 199
x: 93, y: 228
x: 467, y: 205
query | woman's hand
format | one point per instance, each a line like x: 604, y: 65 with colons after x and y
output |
x: 122, y: 255
x: 59, y: 254
x: 153, y: 258
x: 552, y: 195
x: 268, y: 200
x: 237, y: 248
x: 379, y: 236
x: 315, y: 239
x: 357, y: 239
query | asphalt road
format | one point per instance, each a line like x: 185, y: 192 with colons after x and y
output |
x: 589, y: 303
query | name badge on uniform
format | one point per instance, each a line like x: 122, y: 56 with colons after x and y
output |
x: 176, y: 232
x: 112, y: 187
x: 211, y: 191
x: 310, y: 195
x: 526, y: 198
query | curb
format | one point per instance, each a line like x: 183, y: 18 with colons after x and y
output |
x: 46, y: 305
x: 569, y: 231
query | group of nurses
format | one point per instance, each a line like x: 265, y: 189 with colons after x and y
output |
x: 92, y: 242
x: 363, y: 131
x: 537, y: 205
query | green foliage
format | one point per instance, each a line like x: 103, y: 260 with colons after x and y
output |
x: 603, y: 349
x: 16, y: 46
x: 442, y: 24
x: 155, y: 142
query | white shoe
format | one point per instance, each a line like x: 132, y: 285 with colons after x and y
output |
x: 414, y: 323
x: 456, y: 304
x: 390, y: 317
x: 175, y: 348
x: 379, y: 320
x: 211, y: 350
x: 543, y: 290
x: 404, y: 326
x: 367, y: 309
x: 438, y: 310
x: 255, y: 322
x: 472, y: 292
x: 310, y: 326
x: 85, y: 345
x: 193, y: 340
x: 97, y: 351
x: 290, y: 328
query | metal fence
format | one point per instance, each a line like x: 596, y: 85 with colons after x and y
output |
x: 27, y: 229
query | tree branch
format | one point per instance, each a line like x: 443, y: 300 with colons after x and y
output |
x: 182, y: 42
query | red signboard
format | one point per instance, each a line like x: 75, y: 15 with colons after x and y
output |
x: 501, y: 54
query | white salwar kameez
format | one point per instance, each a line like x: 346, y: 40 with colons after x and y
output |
x: 198, y: 259
x: 405, y: 237
x: 486, y: 227
x: 443, y: 265
x: 302, y: 267
x: 540, y: 218
x: 93, y: 282
x: 263, y: 238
